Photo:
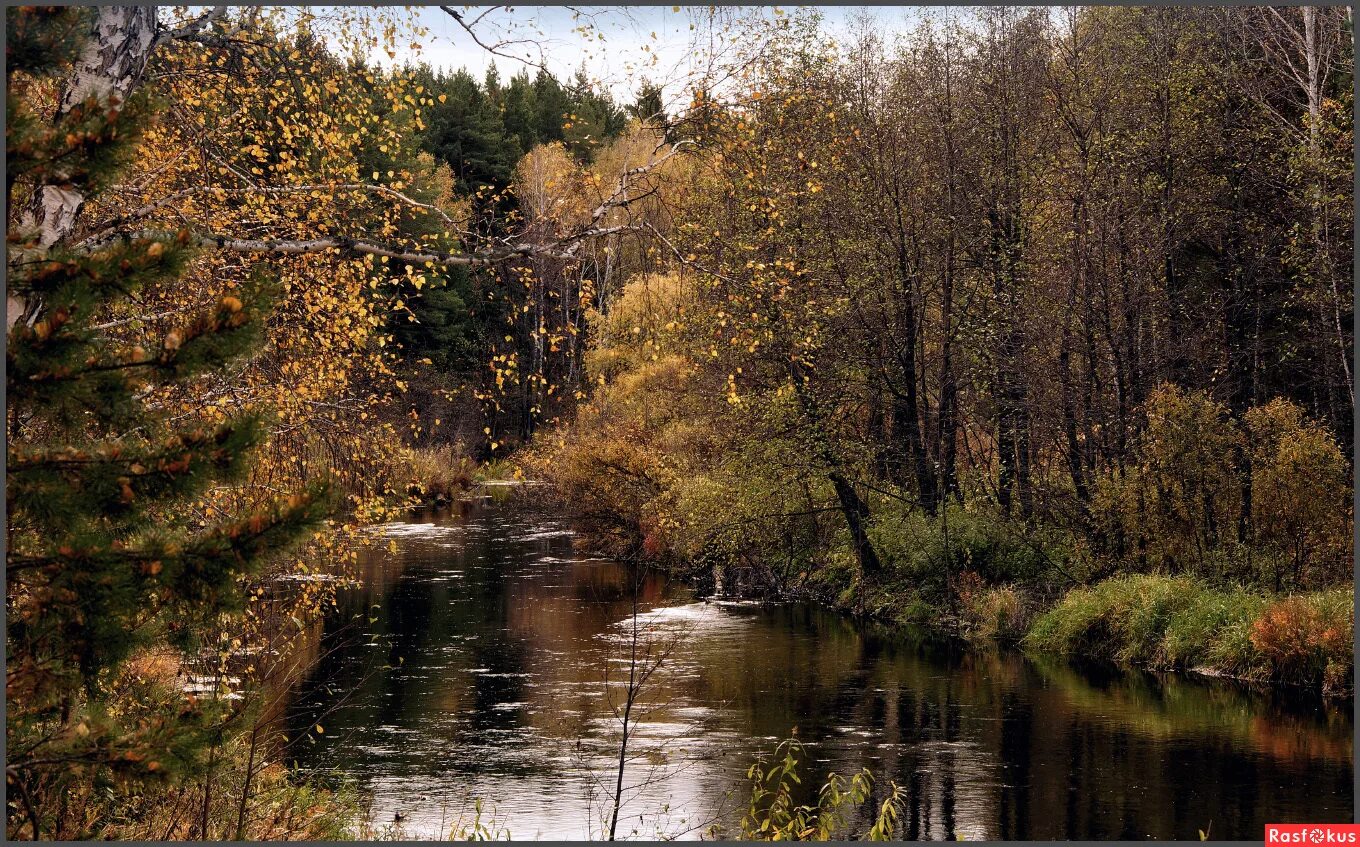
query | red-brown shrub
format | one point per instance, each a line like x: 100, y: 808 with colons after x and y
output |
x: 1306, y: 638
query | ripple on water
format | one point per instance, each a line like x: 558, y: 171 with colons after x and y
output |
x: 402, y: 529
x: 543, y: 533
x: 573, y: 560
x: 681, y: 622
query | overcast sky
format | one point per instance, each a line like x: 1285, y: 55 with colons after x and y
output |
x: 639, y: 42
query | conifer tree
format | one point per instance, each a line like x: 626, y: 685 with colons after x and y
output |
x: 98, y: 566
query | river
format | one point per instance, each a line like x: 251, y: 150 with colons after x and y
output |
x: 485, y: 656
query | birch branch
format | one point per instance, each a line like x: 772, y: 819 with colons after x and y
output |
x: 192, y: 28
x: 153, y: 207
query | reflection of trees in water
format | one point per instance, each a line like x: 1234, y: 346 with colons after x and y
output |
x: 408, y: 621
x: 984, y: 743
x: 991, y: 744
x: 1280, y: 723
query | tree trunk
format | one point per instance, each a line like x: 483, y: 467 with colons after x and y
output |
x: 1068, y: 394
x: 853, y: 507
x: 857, y: 516
x: 108, y: 70
x: 947, y: 431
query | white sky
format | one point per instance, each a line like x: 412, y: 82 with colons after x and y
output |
x: 652, y: 43
x: 627, y: 55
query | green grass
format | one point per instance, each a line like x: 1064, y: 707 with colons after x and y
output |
x: 496, y: 470
x: 1181, y: 623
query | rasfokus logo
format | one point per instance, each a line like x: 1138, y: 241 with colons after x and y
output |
x: 1312, y: 833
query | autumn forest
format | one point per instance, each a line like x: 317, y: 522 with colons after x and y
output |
x: 681, y: 423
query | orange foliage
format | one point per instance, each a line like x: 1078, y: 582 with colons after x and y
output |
x: 1303, y: 641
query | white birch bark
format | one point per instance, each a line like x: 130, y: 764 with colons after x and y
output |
x: 109, y: 68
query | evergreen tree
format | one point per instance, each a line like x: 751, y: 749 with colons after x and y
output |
x: 467, y: 132
x: 518, y: 111
x: 97, y: 565
x: 592, y: 118
x: 446, y: 328
x: 442, y: 324
x: 551, y: 106
x: 648, y: 106
x: 493, y: 84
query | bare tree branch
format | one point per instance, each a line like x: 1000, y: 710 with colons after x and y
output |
x: 497, y: 48
x: 360, y: 246
x: 192, y: 28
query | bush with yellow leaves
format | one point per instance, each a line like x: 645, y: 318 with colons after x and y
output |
x: 1262, y: 500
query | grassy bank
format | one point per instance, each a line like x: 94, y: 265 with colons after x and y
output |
x: 1168, y: 623
x: 1151, y: 621
x: 1179, y: 623
x: 1145, y: 620
x: 436, y: 475
x: 1171, y: 623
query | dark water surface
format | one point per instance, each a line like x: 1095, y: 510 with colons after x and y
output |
x: 482, y: 675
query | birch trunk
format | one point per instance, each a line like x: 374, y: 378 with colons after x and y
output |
x: 109, y: 68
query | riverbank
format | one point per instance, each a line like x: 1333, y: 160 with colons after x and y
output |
x: 986, y: 585
x: 1155, y: 622
x: 1166, y: 623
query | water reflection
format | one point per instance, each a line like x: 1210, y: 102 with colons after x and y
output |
x: 476, y: 663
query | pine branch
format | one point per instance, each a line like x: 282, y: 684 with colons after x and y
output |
x: 238, y: 542
x: 119, y: 480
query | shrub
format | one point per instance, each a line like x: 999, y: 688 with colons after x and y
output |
x: 437, y: 474
x: 925, y: 550
x: 1309, y: 639
x: 1300, y: 506
x: 612, y: 467
x: 1179, y: 507
x: 1000, y: 613
x: 774, y: 815
x: 646, y: 322
x: 1181, y: 498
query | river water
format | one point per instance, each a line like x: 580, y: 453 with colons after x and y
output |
x: 485, y: 658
